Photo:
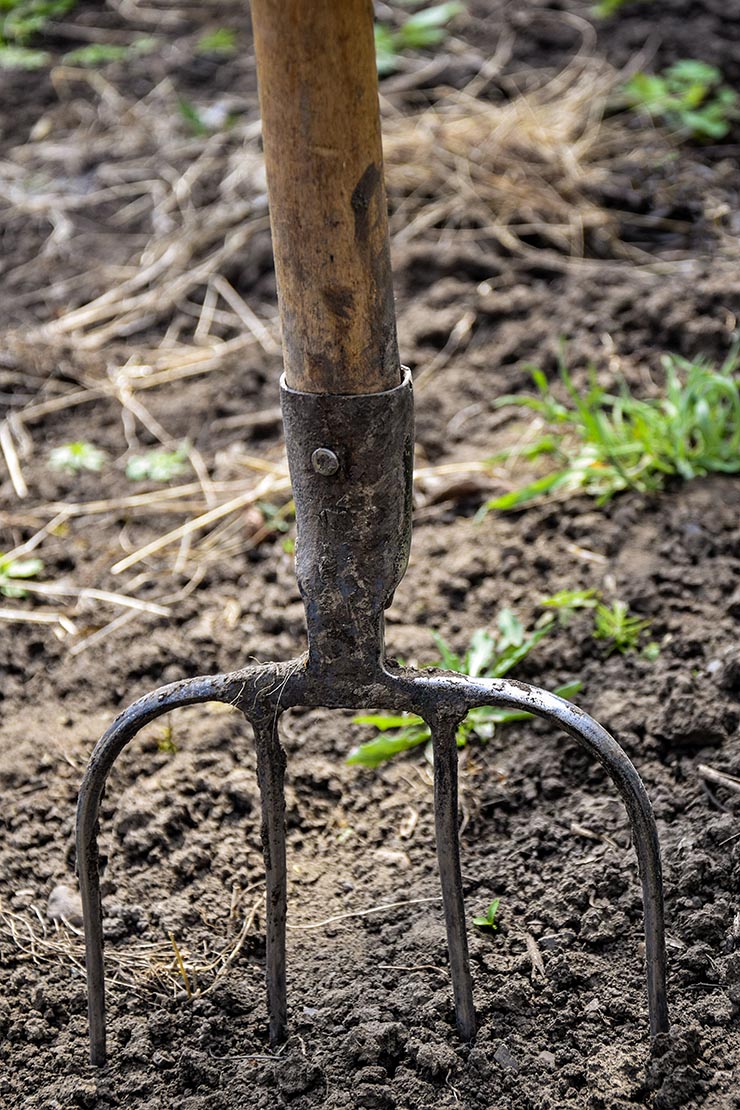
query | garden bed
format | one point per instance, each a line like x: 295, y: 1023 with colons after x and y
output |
x: 619, y: 244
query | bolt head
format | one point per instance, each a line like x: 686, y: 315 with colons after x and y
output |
x: 324, y: 461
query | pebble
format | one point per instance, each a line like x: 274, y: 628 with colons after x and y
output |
x: 503, y: 1056
x: 64, y: 902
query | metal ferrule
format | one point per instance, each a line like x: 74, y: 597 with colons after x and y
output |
x: 351, y: 465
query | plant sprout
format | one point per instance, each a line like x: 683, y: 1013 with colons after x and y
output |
x: 689, y: 96
x: 74, y: 457
x: 488, y: 919
x: 489, y: 656
x: 424, y: 28
x: 604, y: 443
x: 12, y: 570
x: 220, y: 41
x: 158, y: 465
x: 20, y: 22
x: 615, y: 625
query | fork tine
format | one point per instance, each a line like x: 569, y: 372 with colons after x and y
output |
x: 448, y: 854
x: 106, y: 751
x: 271, y: 775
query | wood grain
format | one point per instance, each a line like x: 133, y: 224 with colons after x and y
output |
x: 321, y: 133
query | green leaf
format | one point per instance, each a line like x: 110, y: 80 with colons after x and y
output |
x: 547, y: 484
x: 481, y: 653
x: 690, y: 70
x: 74, y: 457
x: 22, y: 57
x: 488, y: 919
x: 511, y: 630
x: 436, y: 16
x: 571, y: 599
x: 377, y: 751
x: 158, y: 465
x: 448, y: 659
x: 384, y: 721
x: 13, y: 569
x: 96, y: 54
x: 192, y: 118
x: 220, y: 41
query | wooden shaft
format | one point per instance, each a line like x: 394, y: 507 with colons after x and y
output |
x: 321, y: 132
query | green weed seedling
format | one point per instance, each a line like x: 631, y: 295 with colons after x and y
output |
x: 488, y: 919
x: 20, y: 22
x: 611, y: 7
x: 13, y: 570
x: 604, y: 443
x: 613, y: 624
x: 489, y: 656
x: 277, y: 518
x: 158, y: 465
x: 425, y: 28
x: 221, y: 41
x: 103, y: 53
x: 74, y: 457
x: 620, y: 631
x: 688, y: 97
x: 566, y: 602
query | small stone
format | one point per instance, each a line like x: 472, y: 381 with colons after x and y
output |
x: 504, y: 1058
x: 64, y: 904
x: 547, y: 1059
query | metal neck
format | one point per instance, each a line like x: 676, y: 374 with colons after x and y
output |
x: 351, y: 465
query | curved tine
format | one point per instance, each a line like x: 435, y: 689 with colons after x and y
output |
x: 590, y: 735
x: 109, y: 747
x: 270, y: 776
x: 444, y: 742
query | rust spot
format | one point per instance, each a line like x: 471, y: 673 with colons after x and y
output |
x: 362, y: 195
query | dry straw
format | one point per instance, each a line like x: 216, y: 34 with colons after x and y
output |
x: 183, y: 216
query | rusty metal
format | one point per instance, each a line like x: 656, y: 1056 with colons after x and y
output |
x: 353, y: 540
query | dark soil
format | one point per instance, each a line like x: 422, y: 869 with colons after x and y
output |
x: 372, y: 1026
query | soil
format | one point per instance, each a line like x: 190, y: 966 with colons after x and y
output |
x: 559, y: 986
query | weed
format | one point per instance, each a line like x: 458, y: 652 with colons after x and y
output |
x: 605, y: 8
x: 158, y: 465
x: 276, y: 517
x: 689, y: 96
x: 74, y: 457
x: 614, y: 624
x: 166, y: 742
x: 606, y: 443
x: 488, y: 919
x: 192, y: 118
x: 11, y: 570
x: 424, y: 28
x: 221, y: 41
x: 20, y: 22
x: 206, y: 120
x: 566, y: 602
x: 103, y: 53
x: 489, y: 656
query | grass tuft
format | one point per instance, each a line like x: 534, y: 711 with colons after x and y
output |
x: 603, y: 443
x: 489, y: 656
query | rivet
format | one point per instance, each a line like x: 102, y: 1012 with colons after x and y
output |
x: 324, y: 461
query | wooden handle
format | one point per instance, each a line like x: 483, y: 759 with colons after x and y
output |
x: 321, y: 132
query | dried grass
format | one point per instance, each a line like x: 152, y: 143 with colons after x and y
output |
x: 514, y: 172
x: 163, y: 967
x: 182, y: 214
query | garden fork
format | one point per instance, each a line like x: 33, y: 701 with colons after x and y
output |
x: 347, y: 410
